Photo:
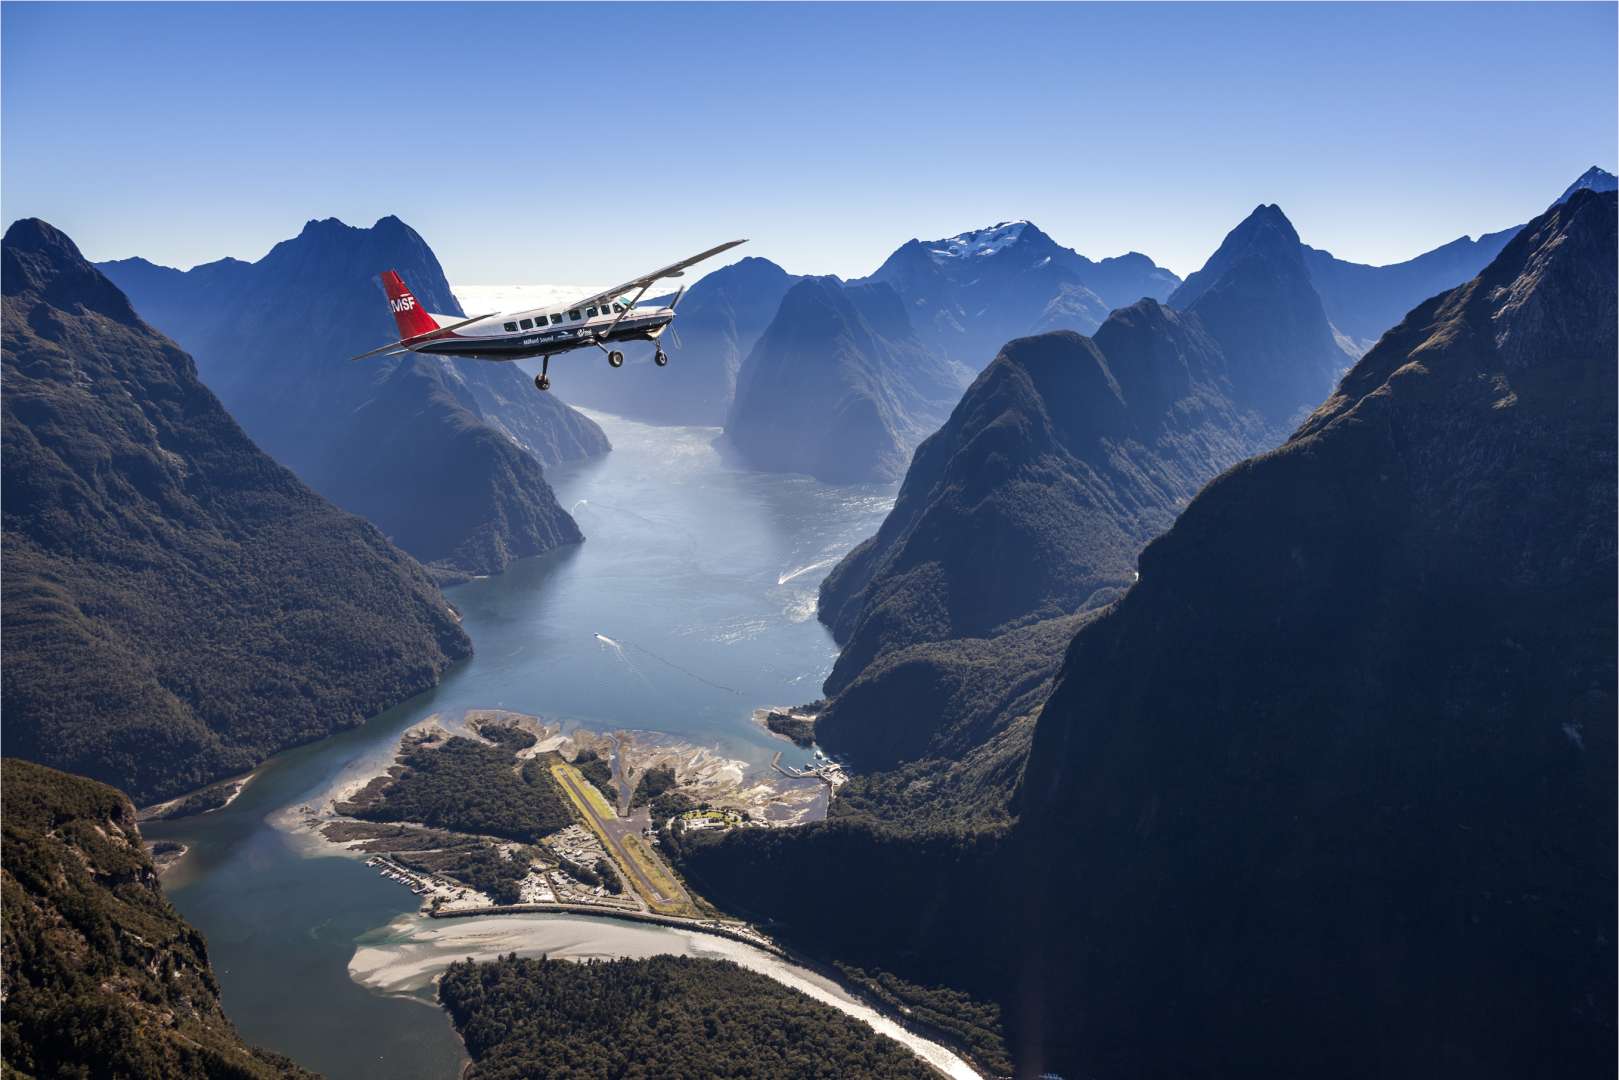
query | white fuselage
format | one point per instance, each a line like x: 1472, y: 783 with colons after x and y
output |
x: 548, y: 331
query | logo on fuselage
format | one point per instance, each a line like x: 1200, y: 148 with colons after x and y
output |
x: 404, y: 303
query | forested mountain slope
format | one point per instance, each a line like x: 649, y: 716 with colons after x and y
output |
x: 102, y: 976
x: 1361, y: 706
x: 177, y: 606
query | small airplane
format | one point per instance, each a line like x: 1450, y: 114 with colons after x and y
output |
x: 600, y: 320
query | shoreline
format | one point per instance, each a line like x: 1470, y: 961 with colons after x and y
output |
x: 161, y: 811
x: 939, y: 1050
x: 757, y: 938
x: 309, y: 819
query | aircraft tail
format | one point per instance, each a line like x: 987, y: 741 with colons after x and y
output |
x: 413, y: 319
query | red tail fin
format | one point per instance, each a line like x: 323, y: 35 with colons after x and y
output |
x: 408, y: 313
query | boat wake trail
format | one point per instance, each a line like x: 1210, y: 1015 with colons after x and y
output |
x: 618, y: 650
x: 666, y: 662
x: 802, y: 570
x: 575, y: 509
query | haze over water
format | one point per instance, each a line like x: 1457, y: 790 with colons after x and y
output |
x: 701, y: 576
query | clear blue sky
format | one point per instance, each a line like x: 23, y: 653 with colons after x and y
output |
x: 578, y: 144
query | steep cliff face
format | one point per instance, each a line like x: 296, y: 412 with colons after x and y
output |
x: 102, y: 976
x: 1255, y: 297
x: 838, y: 386
x: 720, y: 319
x: 177, y: 605
x: 1344, y: 757
x: 443, y: 455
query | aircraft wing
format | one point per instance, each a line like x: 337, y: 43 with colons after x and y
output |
x: 646, y: 281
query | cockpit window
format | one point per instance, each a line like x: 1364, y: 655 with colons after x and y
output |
x: 511, y: 328
x: 618, y: 307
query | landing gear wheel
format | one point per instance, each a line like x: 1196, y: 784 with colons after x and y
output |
x: 542, y: 382
x: 660, y: 358
x: 615, y: 359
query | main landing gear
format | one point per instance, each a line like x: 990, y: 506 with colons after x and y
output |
x: 615, y: 359
x: 542, y: 381
x: 660, y: 358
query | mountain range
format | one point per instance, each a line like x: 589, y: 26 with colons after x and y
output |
x: 445, y: 456
x: 1069, y: 453
x: 969, y: 294
x: 1329, y: 791
x: 177, y: 605
x: 1034, y: 498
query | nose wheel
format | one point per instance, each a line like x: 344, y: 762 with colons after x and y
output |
x: 660, y: 358
x: 542, y: 381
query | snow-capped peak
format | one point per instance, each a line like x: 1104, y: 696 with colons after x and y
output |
x: 986, y: 241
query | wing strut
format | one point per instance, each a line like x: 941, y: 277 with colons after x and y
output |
x: 628, y: 308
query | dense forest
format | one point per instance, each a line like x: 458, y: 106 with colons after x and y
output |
x: 102, y: 977
x: 654, y: 782
x: 672, y: 1017
x: 177, y: 606
x: 596, y: 769
x: 484, y: 866
x: 467, y: 786
x: 799, y: 729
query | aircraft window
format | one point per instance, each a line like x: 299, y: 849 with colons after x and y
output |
x: 574, y: 314
x: 511, y: 327
x: 590, y: 313
x: 556, y: 320
x: 618, y: 307
x: 528, y: 324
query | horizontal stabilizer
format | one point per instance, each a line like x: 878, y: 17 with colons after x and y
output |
x: 404, y: 345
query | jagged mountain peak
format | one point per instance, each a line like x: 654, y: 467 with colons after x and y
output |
x: 977, y: 243
x: 35, y: 234
x: 1265, y: 233
x: 1595, y: 178
x: 1267, y: 225
x: 40, y: 258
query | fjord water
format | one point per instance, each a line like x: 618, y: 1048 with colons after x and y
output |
x: 690, y: 603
